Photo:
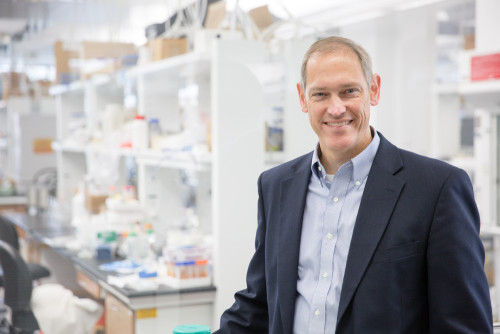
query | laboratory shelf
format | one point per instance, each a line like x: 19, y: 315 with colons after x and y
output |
x: 490, y: 229
x: 154, y: 158
x: 13, y: 200
x: 445, y: 88
x: 465, y: 162
x: 186, y: 65
x: 176, y: 160
x: 76, y: 86
x: 480, y: 87
x: 482, y: 94
x: 65, y: 147
x: 468, y: 88
x: 189, y: 94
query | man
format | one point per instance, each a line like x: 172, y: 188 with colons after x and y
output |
x: 360, y: 236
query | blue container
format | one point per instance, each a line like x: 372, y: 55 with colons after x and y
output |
x: 192, y: 329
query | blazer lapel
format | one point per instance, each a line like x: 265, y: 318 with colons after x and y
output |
x: 292, y: 203
x: 379, y: 198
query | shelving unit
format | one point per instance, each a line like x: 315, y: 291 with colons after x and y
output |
x: 202, y: 101
x: 480, y: 101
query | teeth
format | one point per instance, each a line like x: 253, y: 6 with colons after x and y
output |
x: 337, y: 124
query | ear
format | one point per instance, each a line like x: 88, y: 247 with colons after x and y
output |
x: 302, y: 97
x: 375, y: 89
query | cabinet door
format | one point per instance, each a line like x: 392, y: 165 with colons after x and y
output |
x: 88, y: 284
x: 119, y: 318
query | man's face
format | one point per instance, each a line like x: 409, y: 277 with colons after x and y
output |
x: 337, y: 99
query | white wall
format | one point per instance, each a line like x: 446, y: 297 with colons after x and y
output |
x: 299, y: 138
x: 487, y: 25
x: 402, y: 47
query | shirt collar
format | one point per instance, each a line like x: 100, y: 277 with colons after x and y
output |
x: 362, y: 163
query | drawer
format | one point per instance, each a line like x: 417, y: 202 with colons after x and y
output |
x: 119, y: 318
x: 88, y: 284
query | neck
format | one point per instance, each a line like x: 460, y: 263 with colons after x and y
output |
x: 331, y: 164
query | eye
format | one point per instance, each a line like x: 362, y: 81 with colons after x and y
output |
x: 351, y: 92
x: 318, y: 95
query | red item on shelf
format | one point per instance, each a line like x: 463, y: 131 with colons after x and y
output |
x: 485, y: 67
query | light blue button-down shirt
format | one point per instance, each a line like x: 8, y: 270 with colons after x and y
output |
x: 329, y: 217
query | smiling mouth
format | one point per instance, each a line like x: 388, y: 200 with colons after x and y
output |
x: 337, y: 124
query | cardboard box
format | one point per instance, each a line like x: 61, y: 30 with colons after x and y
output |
x: 261, y: 16
x: 42, y: 145
x: 41, y: 88
x: 469, y: 42
x: 91, y: 50
x: 14, y: 84
x: 64, y: 73
x: 162, y: 48
x: 93, y: 67
x: 95, y: 203
x: 216, y: 13
x: 88, y: 51
x: 4, y: 86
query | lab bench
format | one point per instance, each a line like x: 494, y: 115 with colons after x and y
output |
x: 127, y: 311
x: 14, y: 203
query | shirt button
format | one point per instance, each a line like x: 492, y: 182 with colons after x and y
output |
x: 358, y: 183
x: 329, y: 236
x: 319, y: 168
x: 335, y: 199
x: 317, y: 313
x: 325, y: 275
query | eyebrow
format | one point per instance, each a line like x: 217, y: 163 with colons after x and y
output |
x: 342, y: 87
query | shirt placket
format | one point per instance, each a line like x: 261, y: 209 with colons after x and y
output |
x: 331, y: 221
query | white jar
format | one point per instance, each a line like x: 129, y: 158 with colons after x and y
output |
x: 140, y: 136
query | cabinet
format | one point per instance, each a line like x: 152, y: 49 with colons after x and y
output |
x: 469, y: 114
x: 119, y: 318
x: 210, y: 105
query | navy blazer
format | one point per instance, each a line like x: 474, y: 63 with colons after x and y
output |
x: 415, y: 263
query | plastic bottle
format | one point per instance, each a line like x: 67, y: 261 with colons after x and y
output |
x: 155, y: 132
x: 137, y: 246
x: 133, y: 247
x: 78, y: 210
x: 151, y: 238
x: 140, y: 133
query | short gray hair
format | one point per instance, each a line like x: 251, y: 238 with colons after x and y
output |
x: 333, y: 44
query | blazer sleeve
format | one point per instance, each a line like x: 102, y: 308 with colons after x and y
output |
x: 249, y: 313
x: 458, y: 292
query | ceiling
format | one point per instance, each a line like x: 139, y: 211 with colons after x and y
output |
x: 28, y: 27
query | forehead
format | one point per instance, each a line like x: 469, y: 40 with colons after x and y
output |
x: 338, y: 64
x: 340, y: 53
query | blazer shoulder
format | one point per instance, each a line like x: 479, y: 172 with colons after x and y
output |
x: 419, y: 164
x: 287, y: 169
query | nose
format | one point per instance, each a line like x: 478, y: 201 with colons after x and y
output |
x: 336, y: 106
